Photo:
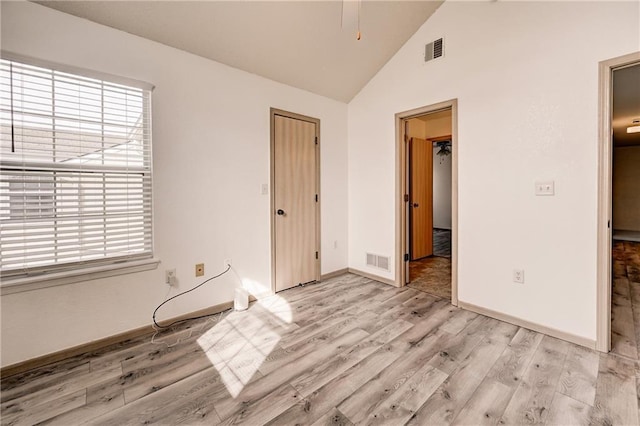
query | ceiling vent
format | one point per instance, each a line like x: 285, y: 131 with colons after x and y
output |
x: 434, y: 50
x: 377, y: 261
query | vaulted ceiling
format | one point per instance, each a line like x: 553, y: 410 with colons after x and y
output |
x: 311, y: 45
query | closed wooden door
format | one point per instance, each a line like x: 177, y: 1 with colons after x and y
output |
x: 295, y: 201
x: 421, y: 197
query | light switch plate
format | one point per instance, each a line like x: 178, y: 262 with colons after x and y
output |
x: 545, y: 187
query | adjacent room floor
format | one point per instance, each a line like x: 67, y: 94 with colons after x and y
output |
x: 442, y: 242
x: 433, y: 274
x: 319, y: 355
x: 625, y: 299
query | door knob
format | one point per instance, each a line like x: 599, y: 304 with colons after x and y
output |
x: 280, y: 212
x: 416, y: 205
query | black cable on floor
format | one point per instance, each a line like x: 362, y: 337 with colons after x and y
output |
x: 180, y: 294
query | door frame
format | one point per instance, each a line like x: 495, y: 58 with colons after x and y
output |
x: 605, y: 178
x: 401, y: 189
x: 272, y: 206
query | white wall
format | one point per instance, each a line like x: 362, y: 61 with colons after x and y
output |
x: 438, y: 124
x: 416, y: 128
x: 626, y: 188
x: 210, y: 157
x: 441, y: 190
x: 526, y: 78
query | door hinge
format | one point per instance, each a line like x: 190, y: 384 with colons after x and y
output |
x: 406, y: 198
x: 316, y: 255
x: 608, y: 224
x: 316, y: 140
x: 316, y: 198
x: 406, y: 257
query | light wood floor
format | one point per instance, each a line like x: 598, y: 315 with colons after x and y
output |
x: 345, y: 351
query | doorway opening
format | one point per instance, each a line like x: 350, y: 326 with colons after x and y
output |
x: 426, y: 233
x: 618, y: 303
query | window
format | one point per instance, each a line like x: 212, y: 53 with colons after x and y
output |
x: 75, y: 171
x: 32, y: 192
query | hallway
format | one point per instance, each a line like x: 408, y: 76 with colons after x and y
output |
x: 433, y: 274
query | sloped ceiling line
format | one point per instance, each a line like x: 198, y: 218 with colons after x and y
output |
x: 304, y: 44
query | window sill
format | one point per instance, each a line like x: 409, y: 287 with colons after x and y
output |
x: 37, y: 282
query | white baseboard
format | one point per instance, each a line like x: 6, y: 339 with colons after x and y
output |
x: 83, y: 348
x: 334, y: 274
x: 626, y: 235
x: 372, y: 276
x: 569, y: 337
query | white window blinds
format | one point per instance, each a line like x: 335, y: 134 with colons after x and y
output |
x: 75, y: 178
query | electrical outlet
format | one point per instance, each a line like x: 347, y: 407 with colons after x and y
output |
x: 545, y: 188
x: 170, y: 277
x: 199, y: 269
x: 518, y: 276
x: 227, y: 262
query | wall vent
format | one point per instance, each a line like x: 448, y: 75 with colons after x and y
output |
x: 434, y: 50
x: 377, y: 261
x: 371, y: 260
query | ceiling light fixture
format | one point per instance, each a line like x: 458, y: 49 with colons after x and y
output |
x: 445, y: 149
x: 635, y: 126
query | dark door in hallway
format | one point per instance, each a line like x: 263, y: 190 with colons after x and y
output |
x: 421, y: 197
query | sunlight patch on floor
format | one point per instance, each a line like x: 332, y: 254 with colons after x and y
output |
x: 278, y: 307
x: 255, y: 288
x: 239, y: 344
